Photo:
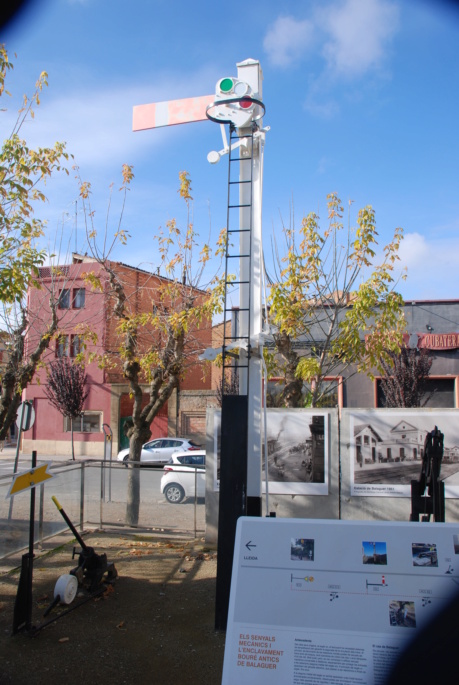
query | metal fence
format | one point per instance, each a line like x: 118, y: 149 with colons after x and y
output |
x: 93, y: 493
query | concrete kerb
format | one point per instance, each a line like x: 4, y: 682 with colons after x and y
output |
x: 9, y: 453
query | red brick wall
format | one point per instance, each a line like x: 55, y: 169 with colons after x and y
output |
x: 142, y: 293
x: 127, y: 404
x: 217, y: 341
x: 159, y: 425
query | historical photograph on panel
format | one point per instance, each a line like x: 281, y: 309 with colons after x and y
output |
x: 302, y: 549
x: 402, y: 614
x: 297, y: 452
x: 424, y: 554
x: 387, y: 451
x: 374, y: 553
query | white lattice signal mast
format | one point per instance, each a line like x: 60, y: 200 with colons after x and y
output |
x: 237, y: 101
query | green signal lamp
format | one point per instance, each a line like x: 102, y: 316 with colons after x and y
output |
x: 229, y: 87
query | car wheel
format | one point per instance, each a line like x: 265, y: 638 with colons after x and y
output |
x: 174, y: 493
x: 125, y: 460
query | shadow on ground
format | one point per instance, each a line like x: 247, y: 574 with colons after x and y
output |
x: 154, y: 625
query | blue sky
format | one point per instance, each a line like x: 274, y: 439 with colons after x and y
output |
x: 361, y: 97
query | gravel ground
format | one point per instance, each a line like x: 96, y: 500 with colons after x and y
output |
x: 155, y: 624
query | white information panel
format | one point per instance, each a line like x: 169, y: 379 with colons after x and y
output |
x: 332, y: 602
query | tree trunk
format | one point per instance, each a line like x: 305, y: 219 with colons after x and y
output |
x: 137, y: 437
x: 292, y: 393
x: 133, y: 496
x: 8, y: 414
x: 20, y: 368
x: 73, y: 446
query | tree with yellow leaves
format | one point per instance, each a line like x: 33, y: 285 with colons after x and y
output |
x: 157, y: 343
x: 333, y: 305
x: 23, y: 173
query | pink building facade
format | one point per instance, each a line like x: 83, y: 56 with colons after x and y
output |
x: 86, y: 322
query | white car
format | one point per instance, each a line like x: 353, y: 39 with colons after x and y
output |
x: 160, y: 450
x: 178, y: 481
x: 190, y: 457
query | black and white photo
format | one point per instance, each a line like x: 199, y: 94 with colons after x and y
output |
x: 387, y: 448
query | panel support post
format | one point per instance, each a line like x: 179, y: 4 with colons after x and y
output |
x: 232, y: 504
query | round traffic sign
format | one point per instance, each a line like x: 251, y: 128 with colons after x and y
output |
x: 26, y: 416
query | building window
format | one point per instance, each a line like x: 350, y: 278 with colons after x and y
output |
x: 68, y: 346
x: 366, y: 440
x: 441, y: 393
x: 64, y: 299
x: 62, y: 346
x: 75, y: 347
x: 88, y: 422
x: 79, y: 298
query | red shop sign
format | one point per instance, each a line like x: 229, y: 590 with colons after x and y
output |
x: 438, y: 341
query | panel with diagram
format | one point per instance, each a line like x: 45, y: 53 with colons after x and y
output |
x: 333, y: 601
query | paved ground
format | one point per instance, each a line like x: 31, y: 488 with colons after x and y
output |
x: 155, y: 625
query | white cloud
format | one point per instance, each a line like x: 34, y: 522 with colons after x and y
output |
x: 432, y: 267
x: 342, y: 39
x: 358, y: 33
x: 288, y: 40
x: 96, y: 123
x: 414, y: 249
x: 354, y: 35
x: 428, y: 266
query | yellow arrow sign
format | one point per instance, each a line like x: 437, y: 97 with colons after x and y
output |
x: 29, y: 479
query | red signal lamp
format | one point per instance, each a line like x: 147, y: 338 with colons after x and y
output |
x: 246, y: 103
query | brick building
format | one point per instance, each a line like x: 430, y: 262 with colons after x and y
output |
x: 86, y: 323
